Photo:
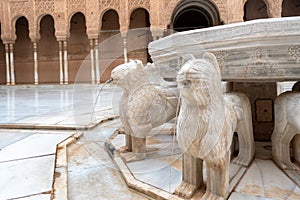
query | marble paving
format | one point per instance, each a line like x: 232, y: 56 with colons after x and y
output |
x: 27, y: 162
x: 57, y: 107
x: 262, y: 180
x: 27, y: 156
x: 91, y: 172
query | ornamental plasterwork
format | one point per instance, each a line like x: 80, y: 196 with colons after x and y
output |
x: 294, y: 52
x: 44, y: 6
x: 20, y: 8
x: 260, y: 66
x: 76, y: 5
x: 139, y: 3
x: 109, y: 4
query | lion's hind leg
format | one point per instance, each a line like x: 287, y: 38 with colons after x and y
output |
x: 296, y: 148
x: 244, y: 130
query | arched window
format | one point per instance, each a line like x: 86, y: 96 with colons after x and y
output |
x: 290, y: 8
x: 189, y: 15
x: 23, y: 53
x: 48, y: 52
x: 255, y: 9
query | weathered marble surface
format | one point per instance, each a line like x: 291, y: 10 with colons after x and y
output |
x: 206, y: 123
x: 143, y: 105
x: 268, y: 49
x: 264, y: 179
x: 91, y: 172
x: 287, y: 128
x: 57, y: 106
x: 32, y: 146
x: 26, y: 177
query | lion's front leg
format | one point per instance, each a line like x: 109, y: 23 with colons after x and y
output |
x: 192, y: 176
x: 217, y: 179
x: 281, y: 149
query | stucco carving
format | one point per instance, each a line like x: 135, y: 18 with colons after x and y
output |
x: 205, y: 127
x: 76, y: 5
x: 287, y: 126
x: 143, y: 106
x: 133, y: 4
x: 44, y: 6
x: 108, y: 4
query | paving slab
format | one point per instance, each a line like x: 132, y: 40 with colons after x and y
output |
x: 156, y: 173
x: 264, y: 179
x: 23, y: 178
x: 10, y: 137
x: 32, y: 146
x: 37, y: 197
x: 240, y: 196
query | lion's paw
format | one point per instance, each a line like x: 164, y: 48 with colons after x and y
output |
x: 241, y: 160
x: 288, y: 165
x: 132, y: 157
x: 186, y: 190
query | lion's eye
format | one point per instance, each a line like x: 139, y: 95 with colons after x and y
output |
x: 186, y: 83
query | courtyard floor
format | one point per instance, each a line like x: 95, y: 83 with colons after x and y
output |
x: 53, y: 145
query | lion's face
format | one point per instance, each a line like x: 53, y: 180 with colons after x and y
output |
x: 194, y: 84
x: 121, y: 73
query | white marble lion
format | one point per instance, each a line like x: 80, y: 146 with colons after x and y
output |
x: 287, y: 128
x: 206, y: 123
x: 144, y: 105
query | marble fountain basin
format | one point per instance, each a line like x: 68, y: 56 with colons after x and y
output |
x: 260, y: 50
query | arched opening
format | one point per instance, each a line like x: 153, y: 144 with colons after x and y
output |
x: 110, y: 24
x: 110, y: 39
x: 2, y: 62
x: 48, y: 52
x: 139, y: 35
x: 23, y: 53
x: 255, y: 9
x: 191, y: 14
x: 78, y: 47
x: 290, y: 8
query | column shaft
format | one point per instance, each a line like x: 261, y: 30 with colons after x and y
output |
x: 66, y: 62
x: 92, y: 61
x: 7, y: 64
x: 125, y: 49
x: 61, y: 73
x: 12, y: 67
x: 97, y: 61
x: 35, y: 56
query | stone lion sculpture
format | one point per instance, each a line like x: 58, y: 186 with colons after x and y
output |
x: 287, y: 126
x: 206, y: 123
x: 143, y: 105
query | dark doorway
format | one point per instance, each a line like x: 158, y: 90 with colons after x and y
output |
x: 191, y: 18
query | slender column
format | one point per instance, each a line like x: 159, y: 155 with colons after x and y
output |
x: 35, y: 56
x: 7, y: 64
x: 97, y: 61
x: 66, y: 62
x: 92, y: 61
x: 12, y: 67
x: 61, y: 73
x: 125, y: 49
